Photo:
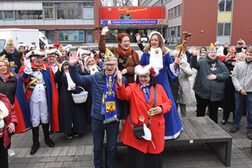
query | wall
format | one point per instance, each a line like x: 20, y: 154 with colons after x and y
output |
x: 242, y: 21
x: 200, y: 18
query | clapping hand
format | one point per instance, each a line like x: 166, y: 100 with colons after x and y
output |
x: 73, y: 58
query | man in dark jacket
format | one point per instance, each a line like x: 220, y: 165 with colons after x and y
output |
x: 105, y: 106
x: 11, y: 54
x: 209, y: 83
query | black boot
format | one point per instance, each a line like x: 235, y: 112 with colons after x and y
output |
x: 35, y: 138
x: 48, y: 141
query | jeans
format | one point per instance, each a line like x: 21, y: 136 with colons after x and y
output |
x: 98, y: 129
x: 239, y: 105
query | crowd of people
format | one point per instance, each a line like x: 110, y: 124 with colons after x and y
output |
x: 66, y: 90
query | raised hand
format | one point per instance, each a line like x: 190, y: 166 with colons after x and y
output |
x: 138, y: 37
x: 124, y: 71
x: 105, y: 30
x: 193, y: 50
x: 119, y: 77
x: 73, y: 58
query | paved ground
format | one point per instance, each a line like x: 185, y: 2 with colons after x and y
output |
x: 79, y: 152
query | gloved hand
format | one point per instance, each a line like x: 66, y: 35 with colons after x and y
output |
x: 27, y: 64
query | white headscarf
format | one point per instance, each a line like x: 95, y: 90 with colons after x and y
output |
x: 3, y: 113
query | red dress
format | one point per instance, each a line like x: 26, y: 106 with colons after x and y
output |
x: 135, y: 96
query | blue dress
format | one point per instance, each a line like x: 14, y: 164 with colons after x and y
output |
x: 173, y: 125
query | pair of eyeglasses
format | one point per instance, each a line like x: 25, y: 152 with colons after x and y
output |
x: 109, y: 65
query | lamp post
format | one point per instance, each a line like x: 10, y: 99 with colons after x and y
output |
x: 162, y: 17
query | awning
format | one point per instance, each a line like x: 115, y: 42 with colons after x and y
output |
x: 23, y: 5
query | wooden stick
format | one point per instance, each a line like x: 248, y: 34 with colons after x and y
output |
x: 153, y: 145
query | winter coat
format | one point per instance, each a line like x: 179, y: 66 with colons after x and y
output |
x: 8, y: 88
x: 241, y: 76
x: 97, y: 83
x: 130, y: 61
x: 185, y: 90
x: 10, y: 118
x: 135, y: 96
x: 209, y: 89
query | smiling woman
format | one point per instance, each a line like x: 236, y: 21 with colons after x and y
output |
x: 126, y: 56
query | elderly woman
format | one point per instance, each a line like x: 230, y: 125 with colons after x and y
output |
x: 8, y: 84
x: 126, y: 56
x: 209, y: 83
x: 72, y: 118
x: 157, y: 55
x: 8, y: 120
x: 147, y: 109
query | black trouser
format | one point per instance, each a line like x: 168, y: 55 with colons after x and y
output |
x: 138, y: 159
x: 212, y: 108
x: 3, y: 155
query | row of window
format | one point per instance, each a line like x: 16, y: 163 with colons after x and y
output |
x: 83, y: 10
x: 175, y: 12
x: 86, y: 36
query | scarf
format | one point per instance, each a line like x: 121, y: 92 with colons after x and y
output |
x: 70, y: 82
x: 93, y: 69
x: 109, y: 107
x: 4, y: 77
x: 127, y: 53
x: 146, y: 91
x: 156, y: 58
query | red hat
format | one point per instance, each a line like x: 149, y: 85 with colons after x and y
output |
x: 56, y: 45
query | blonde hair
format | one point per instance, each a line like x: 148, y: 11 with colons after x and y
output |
x: 6, y: 62
x: 161, y: 44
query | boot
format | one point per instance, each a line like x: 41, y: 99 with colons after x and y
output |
x: 48, y: 141
x: 35, y: 138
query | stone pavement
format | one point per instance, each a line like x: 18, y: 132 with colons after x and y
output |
x: 79, y: 152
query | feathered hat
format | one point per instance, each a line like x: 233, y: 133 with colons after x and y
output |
x: 34, y: 53
x: 54, y: 51
x: 148, y: 69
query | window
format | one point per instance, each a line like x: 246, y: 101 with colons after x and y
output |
x: 227, y: 30
x: 125, y: 17
x: 9, y: 15
x: 221, y: 5
x: 228, y: 5
x: 88, y: 13
x: 179, y: 30
x: 173, y: 31
x: 88, y: 4
x: 225, y: 5
x: 71, y: 35
x: 224, y: 29
x: 28, y: 14
x: 69, y: 10
x: 48, y: 10
x: 220, y: 29
x: 1, y: 15
x: 89, y: 36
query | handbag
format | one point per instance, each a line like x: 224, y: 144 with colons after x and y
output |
x: 139, y: 130
x: 80, y: 97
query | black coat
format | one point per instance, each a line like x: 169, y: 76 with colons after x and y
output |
x: 72, y: 118
x: 9, y: 88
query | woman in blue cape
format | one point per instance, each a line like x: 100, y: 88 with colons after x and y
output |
x: 158, y: 56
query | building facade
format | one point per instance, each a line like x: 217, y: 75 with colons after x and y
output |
x: 64, y: 21
x: 132, y: 20
x: 208, y: 20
